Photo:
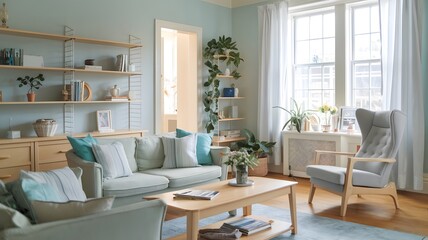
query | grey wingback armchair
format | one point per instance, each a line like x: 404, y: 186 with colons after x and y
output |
x: 369, y: 170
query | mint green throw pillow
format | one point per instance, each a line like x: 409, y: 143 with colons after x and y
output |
x: 203, y: 146
x: 83, y: 147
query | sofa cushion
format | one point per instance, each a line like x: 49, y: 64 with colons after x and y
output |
x: 53, y: 211
x: 180, y: 152
x: 336, y: 175
x: 113, y: 159
x: 149, y: 152
x: 135, y: 184
x: 129, y: 145
x: 83, y: 147
x: 11, y: 218
x: 179, y: 177
x: 203, y: 146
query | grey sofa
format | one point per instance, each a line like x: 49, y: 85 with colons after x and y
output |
x: 143, y: 221
x: 145, y: 156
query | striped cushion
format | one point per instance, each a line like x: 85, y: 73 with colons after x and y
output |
x: 180, y: 152
x: 169, y: 150
x: 63, y: 181
x: 112, y: 158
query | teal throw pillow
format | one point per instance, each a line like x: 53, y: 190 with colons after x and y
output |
x: 203, y: 146
x: 83, y: 147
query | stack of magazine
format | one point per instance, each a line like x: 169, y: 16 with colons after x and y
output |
x: 247, y: 225
x: 196, y: 194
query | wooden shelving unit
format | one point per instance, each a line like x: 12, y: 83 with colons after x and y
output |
x: 64, y: 102
x: 230, y: 98
x: 60, y: 69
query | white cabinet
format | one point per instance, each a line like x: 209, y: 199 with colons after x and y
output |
x: 299, y: 149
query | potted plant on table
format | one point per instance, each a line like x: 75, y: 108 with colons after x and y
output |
x: 259, y: 149
x: 240, y: 161
x: 33, y: 83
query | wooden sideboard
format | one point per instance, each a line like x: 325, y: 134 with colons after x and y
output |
x: 42, y: 153
x: 299, y: 149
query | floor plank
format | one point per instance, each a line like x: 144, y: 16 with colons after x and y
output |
x: 372, y: 210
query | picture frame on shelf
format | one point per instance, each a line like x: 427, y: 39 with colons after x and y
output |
x: 104, y: 122
x: 347, y: 117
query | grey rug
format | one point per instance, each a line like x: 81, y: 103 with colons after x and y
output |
x: 310, y: 227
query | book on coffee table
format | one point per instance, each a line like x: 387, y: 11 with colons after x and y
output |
x: 197, y: 194
x: 247, y: 225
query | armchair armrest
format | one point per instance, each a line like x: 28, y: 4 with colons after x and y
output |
x: 318, y: 154
x: 219, y: 156
x: 92, y: 177
x: 353, y: 160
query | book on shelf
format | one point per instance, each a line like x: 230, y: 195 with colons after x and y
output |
x: 117, y: 98
x: 196, y: 194
x: 247, y: 225
x: 76, y: 90
x: 92, y: 67
x: 11, y: 56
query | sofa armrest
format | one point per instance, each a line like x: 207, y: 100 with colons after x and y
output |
x: 135, y: 221
x: 92, y: 177
x: 219, y: 156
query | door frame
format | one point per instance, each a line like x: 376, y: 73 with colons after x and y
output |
x: 159, y: 24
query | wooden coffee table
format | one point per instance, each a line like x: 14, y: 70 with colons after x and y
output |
x: 231, y: 198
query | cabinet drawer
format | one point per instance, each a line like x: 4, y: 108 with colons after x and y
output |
x: 13, y: 172
x: 51, y: 166
x: 53, y: 152
x: 14, y: 155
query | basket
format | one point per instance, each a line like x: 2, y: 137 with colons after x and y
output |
x: 45, y: 128
x: 260, y: 170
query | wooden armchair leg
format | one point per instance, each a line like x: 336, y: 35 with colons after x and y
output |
x: 344, y: 205
x: 311, y: 193
x: 393, y: 194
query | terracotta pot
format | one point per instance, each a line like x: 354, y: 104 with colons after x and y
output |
x: 31, y: 97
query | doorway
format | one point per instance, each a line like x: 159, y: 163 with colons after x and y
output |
x: 177, y: 76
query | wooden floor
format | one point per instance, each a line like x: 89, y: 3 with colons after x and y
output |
x: 379, y: 211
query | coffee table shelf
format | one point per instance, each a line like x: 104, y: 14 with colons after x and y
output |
x: 276, y: 229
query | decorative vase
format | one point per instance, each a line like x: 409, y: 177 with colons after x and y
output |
x: 227, y: 72
x: 114, y: 91
x: 241, y: 174
x: 236, y: 92
x: 326, y: 128
x: 31, y: 97
x: 4, y: 16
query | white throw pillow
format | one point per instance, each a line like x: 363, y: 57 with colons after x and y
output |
x: 10, y: 218
x: 63, y: 180
x: 112, y: 158
x: 53, y: 211
x: 180, y: 152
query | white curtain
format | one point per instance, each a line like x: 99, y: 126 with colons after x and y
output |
x: 272, y: 73
x: 401, y: 25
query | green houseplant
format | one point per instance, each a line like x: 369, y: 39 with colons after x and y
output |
x: 221, y: 50
x: 297, y: 116
x: 34, y: 83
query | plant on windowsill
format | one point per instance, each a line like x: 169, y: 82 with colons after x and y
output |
x: 34, y: 83
x: 224, y: 51
x: 297, y: 116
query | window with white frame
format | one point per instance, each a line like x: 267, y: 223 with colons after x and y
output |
x: 366, y: 77
x: 314, y: 59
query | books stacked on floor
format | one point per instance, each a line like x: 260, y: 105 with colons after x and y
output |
x: 247, y: 225
x: 230, y: 133
x: 76, y: 89
x: 92, y: 67
x: 117, y: 98
x: 11, y: 56
x: 122, y: 62
x: 196, y: 194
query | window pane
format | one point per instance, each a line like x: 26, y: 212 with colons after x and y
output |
x: 302, y: 52
x: 361, y: 76
x: 315, y: 78
x: 329, y: 50
x: 362, y: 20
x: 328, y: 97
x: 316, y: 51
x: 315, y: 99
x: 375, y: 46
x: 302, y: 28
x: 329, y: 25
x: 362, y: 99
x: 375, y: 19
x: 301, y: 78
x: 328, y: 77
x: 301, y: 97
x: 375, y: 74
x: 376, y: 100
x: 362, y: 47
x: 316, y: 27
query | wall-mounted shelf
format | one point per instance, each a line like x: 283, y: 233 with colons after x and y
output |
x: 230, y: 119
x: 60, y: 69
x: 224, y: 76
x: 63, y: 102
x: 230, y: 98
x: 218, y: 141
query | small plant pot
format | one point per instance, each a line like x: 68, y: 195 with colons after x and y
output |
x: 31, y: 97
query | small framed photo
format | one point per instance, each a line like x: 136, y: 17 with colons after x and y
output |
x: 104, y: 121
x: 347, y: 117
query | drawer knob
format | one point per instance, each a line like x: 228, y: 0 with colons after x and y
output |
x: 4, y: 157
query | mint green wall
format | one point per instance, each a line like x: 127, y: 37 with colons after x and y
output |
x: 104, y: 19
x: 245, y: 32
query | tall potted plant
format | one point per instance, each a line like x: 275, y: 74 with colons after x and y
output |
x: 223, y: 50
x: 34, y: 83
x: 259, y: 149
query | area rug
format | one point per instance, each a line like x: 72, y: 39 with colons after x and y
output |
x: 310, y: 227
